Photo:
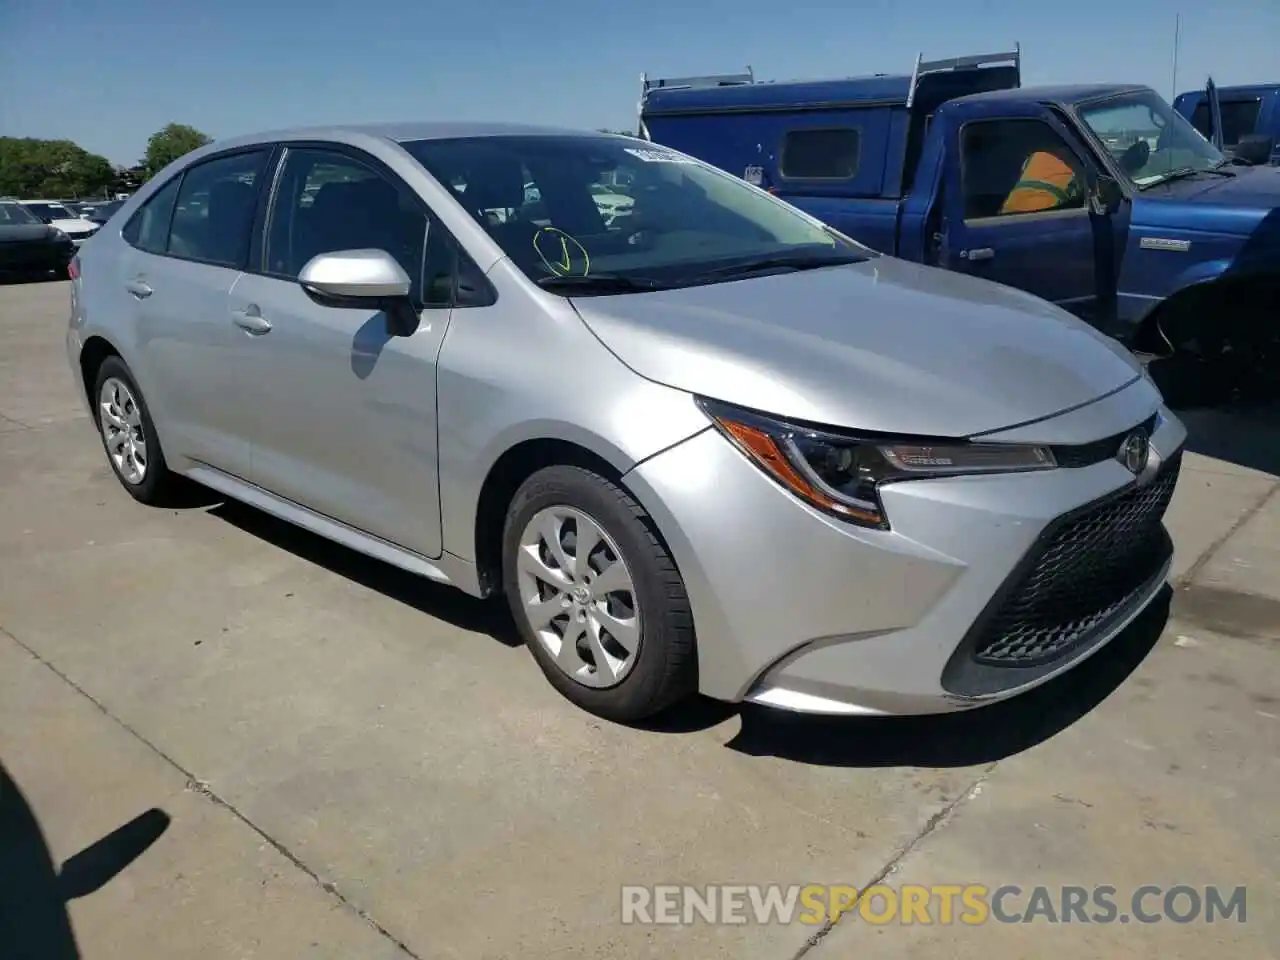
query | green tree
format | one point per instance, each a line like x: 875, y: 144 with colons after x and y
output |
x: 51, y: 168
x: 168, y: 144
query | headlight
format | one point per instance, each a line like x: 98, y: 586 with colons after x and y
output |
x: 841, y: 473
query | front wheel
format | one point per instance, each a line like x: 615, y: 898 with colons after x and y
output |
x: 596, y: 595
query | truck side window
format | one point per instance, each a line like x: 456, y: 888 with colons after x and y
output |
x: 820, y: 154
x: 1239, y: 119
x: 1012, y: 167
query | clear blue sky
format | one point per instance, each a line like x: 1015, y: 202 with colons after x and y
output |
x: 108, y: 73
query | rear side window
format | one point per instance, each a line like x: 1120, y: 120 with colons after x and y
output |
x: 827, y: 154
x: 148, y: 228
x: 215, y: 207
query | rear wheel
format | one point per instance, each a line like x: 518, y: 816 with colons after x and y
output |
x: 597, y: 596
x: 129, y: 435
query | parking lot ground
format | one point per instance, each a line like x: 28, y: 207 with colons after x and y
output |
x: 348, y: 761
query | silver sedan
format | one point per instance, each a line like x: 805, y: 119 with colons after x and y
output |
x: 709, y: 446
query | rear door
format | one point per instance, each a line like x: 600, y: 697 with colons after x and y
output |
x: 1014, y: 208
x: 189, y: 242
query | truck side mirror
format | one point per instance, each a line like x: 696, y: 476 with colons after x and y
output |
x: 1105, y: 195
x: 1254, y: 150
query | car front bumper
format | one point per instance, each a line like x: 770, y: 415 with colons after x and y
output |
x: 798, y: 610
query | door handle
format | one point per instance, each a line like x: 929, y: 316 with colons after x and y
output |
x: 139, y: 288
x: 251, y: 320
x: 981, y: 253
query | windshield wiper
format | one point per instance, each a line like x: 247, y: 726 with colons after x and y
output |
x: 807, y: 261
x: 1183, y: 172
x: 600, y: 283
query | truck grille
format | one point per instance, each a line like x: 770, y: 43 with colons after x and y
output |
x: 1086, y: 570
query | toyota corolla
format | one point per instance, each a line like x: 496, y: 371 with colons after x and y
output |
x: 710, y: 446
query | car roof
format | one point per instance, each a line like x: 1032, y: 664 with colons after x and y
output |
x: 405, y: 132
x: 1058, y: 93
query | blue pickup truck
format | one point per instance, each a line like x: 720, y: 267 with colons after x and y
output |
x: 1248, y: 120
x: 1099, y: 198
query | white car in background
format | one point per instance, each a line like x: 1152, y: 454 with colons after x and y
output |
x: 611, y: 204
x: 56, y: 215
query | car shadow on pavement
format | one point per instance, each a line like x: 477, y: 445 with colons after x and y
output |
x: 956, y: 739
x: 1244, y: 434
x: 34, y: 923
x: 434, y: 599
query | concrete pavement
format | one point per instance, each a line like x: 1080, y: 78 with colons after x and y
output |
x: 348, y: 761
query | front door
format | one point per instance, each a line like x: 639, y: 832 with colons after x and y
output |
x: 348, y: 413
x: 1016, y: 208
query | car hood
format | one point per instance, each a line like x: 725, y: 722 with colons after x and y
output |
x: 884, y: 345
x: 1254, y: 187
x: 73, y: 225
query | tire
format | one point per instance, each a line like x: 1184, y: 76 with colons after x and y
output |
x: 157, y: 483
x: 661, y: 668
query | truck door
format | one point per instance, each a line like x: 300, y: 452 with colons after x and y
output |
x: 1015, y: 204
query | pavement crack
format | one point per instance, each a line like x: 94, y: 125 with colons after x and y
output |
x: 201, y: 788
x: 932, y: 825
x: 1209, y: 552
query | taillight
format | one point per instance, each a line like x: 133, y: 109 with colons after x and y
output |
x: 73, y: 268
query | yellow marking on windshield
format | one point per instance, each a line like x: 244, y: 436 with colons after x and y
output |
x: 563, y: 265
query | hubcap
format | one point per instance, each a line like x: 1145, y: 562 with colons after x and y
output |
x: 578, y: 596
x: 122, y: 431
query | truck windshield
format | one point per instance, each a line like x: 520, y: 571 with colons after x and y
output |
x: 615, y: 215
x: 1150, y: 141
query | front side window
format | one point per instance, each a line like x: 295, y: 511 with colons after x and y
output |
x: 827, y: 154
x: 1149, y: 140
x: 586, y: 210
x: 215, y: 208
x: 1012, y: 167
x: 148, y: 228
x: 328, y: 201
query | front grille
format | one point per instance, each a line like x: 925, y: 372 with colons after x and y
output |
x: 1088, y: 568
x: 1087, y: 454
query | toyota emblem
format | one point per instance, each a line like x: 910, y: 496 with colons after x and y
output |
x: 1134, y: 452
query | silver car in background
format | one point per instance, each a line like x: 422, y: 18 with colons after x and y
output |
x: 710, y: 446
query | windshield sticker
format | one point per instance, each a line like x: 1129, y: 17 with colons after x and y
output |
x: 562, y: 254
x: 657, y: 156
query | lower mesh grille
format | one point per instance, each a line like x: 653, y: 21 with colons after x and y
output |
x: 1088, y: 569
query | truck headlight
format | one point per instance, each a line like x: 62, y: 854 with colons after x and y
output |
x: 841, y: 473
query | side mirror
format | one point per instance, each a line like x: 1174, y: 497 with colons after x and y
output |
x: 1105, y: 195
x: 1254, y: 149
x: 362, y: 279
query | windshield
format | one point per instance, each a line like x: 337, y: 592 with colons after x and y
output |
x: 1149, y: 140
x: 553, y: 203
x: 13, y: 214
x: 50, y: 211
